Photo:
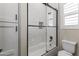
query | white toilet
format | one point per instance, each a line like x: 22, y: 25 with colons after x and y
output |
x: 68, y: 48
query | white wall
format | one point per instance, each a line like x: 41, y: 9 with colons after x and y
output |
x: 23, y: 28
x: 8, y: 36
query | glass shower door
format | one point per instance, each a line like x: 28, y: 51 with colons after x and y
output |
x: 37, y: 41
x: 41, y: 29
x: 36, y: 29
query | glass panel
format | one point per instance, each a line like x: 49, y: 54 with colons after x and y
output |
x: 37, y: 41
x: 51, y: 17
x: 51, y: 38
x: 39, y: 36
x: 37, y: 13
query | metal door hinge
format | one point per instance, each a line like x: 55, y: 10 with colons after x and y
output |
x: 1, y: 50
x: 16, y: 29
x: 16, y: 16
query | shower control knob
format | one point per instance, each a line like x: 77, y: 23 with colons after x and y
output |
x: 51, y: 38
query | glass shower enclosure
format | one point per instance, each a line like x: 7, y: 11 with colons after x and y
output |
x: 42, y: 28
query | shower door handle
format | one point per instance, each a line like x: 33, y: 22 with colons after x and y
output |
x: 40, y: 25
x: 16, y: 28
x: 16, y: 17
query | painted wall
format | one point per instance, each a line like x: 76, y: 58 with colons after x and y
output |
x: 67, y: 34
x: 23, y: 28
x: 71, y: 35
x: 8, y: 34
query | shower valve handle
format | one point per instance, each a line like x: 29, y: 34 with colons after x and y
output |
x: 51, y: 38
x: 40, y: 25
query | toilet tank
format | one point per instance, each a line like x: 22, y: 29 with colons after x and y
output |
x: 69, y: 46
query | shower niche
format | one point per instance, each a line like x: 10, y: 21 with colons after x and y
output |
x: 42, y: 29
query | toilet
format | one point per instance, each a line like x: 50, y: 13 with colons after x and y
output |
x: 68, y: 48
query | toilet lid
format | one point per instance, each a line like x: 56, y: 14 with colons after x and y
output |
x: 64, y: 53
